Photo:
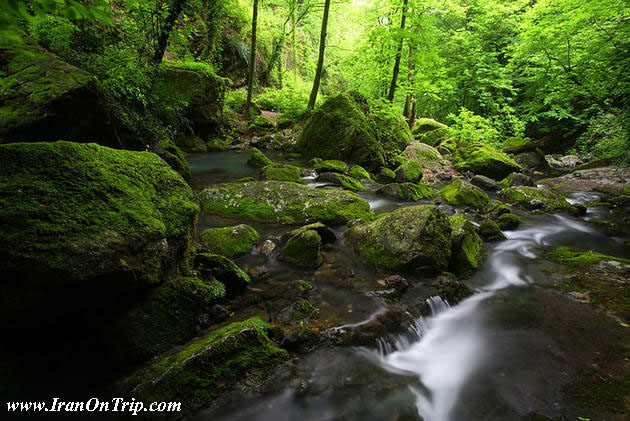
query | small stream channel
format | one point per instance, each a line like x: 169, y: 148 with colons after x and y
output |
x: 503, y: 353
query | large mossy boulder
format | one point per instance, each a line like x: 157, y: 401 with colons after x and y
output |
x: 341, y: 180
x: 168, y: 315
x: 277, y: 201
x: 485, y: 160
x: 191, y: 144
x: 413, y: 239
x: 83, y: 224
x: 230, y: 241
x: 202, y: 90
x: 533, y: 198
x: 410, y: 171
x: 331, y: 165
x: 462, y: 193
x: 467, y: 246
x: 407, y: 191
x: 347, y: 127
x: 256, y: 158
x: 435, y: 137
x: 194, y: 375
x: 423, y: 125
x: 426, y: 155
x: 281, y: 172
x: 45, y: 99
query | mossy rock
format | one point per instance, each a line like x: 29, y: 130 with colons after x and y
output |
x: 485, y: 160
x: 210, y: 266
x: 42, y: 96
x: 581, y: 258
x: 174, y: 157
x: 191, y: 144
x: 301, y: 286
x: 515, y: 180
x: 314, y: 161
x: 230, y: 241
x: 414, y: 239
x: 303, y: 249
x: 348, y: 127
x: 331, y: 165
x: 462, y: 193
x: 217, y: 145
x: 489, y: 230
x: 468, y: 252
x: 255, y: 158
x: 202, y: 90
x: 508, y: 221
x: 385, y: 175
x: 485, y: 183
x: 423, y: 125
x: 277, y: 201
x: 326, y: 234
x: 516, y: 145
x: 170, y: 314
x: 426, y: 155
x: 359, y: 173
x: 407, y: 191
x: 281, y: 172
x: 534, y: 198
x: 410, y: 171
x: 344, y: 181
x: 83, y: 224
x: 434, y: 137
x: 194, y: 375
x: 262, y: 123
x: 297, y: 312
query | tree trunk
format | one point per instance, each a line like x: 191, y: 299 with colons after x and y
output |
x: 165, y: 30
x: 392, y: 86
x: 320, y: 59
x: 252, y: 61
x: 410, y: 96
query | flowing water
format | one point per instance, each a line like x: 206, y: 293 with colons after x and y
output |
x: 502, y: 353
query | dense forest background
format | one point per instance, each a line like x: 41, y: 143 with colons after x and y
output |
x: 551, y: 69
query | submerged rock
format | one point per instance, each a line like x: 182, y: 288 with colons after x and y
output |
x: 296, y: 312
x: 230, y: 241
x: 467, y: 248
x: 462, y: 193
x: 193, y: 375
x: 277, y: 201
x: 485, y: 160
x: 412, y: 239
x: 84, y: 224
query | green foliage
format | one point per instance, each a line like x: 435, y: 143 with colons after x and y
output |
x: 290, y: 101
x: 607, y: 136
x: 470, y: 127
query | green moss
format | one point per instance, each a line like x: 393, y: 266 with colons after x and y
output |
x: 567, y: 256
x: 262, y: 123
x: 512, y: 143
x: 302, y: 286
x: 359, y: 173
x: 174, y: 157
x: 217, y: 145
x: 490, y: 231
x: 192, y: 144
x: 386, y: 175
x: 485, y: 160
x: 283, y: 202
x: 303, y: 249
x: 193, y: 375
x: 423, y: 125
x: 426, y: 155
x: 508, y: 221
x: 255, y: 158
x: 462, y: 193
x: 434, y: 137
x: 408, y: 239
x: 169, y: 316
x: 230, y: 241
x: 210, y: 266
x: 602, y: 392
x: 333, y: 165
x: 347, y: 182
x: 535, y: 198
x: 410, y: 171
x: 467, y: 248
x: 281, y: 172
x: 303, y: 310
x: 244, y: 179
x: 315, y: 161
x: 414, y: 192
x: 73, y: 211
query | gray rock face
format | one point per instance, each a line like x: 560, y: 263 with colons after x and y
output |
x: 485, y: 183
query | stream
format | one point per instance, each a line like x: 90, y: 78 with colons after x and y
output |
x: 503, y: 353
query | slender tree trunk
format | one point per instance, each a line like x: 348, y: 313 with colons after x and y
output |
x: 293, y: 32
x: 392, y: 86
x: 252, y: 61
x: 165, y: 30
x: 410, y: 96
x: 320, y: 59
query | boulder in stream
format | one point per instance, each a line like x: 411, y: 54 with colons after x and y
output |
x: 230, y: 241
x: 533, y: 198
x: 467, y: 248
x: 462, y: 193
x: 414, y: 239
x: 484, y: 159
x: 277, y: 201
